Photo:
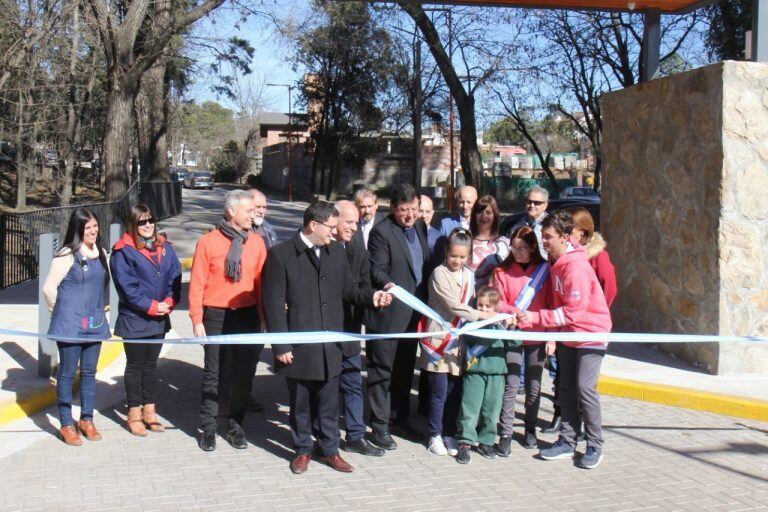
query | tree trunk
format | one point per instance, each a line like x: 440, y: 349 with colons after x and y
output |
x: 152, y: 122
x: 117, y: 141
x: 21, y: 164
x: 416, y: 108
x: 471, y: 163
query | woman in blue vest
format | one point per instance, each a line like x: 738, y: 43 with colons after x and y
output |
x: 74, y: 291
x: 147, y: 277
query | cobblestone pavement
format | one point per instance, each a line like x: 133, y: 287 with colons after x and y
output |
x: 656, y: 458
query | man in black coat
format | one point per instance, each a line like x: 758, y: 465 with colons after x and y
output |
x: 399, y: 256
x: 304, y: 283
x: 351, y: 381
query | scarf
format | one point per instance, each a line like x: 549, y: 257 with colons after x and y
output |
x: 238, y: 238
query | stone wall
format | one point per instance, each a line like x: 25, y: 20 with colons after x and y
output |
x: 685, y: 173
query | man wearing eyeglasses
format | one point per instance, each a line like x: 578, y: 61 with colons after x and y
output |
x: 536, y: 211
x: 399, y: 256
x: 305, y: 282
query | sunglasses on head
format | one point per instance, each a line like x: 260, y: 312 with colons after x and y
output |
x: 144, y: 222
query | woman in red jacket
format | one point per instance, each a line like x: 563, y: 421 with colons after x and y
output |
x: 584, y: 232
x: 578, y: 306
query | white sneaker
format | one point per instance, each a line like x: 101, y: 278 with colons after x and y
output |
x: 451, y: 446
x: 436, y: 446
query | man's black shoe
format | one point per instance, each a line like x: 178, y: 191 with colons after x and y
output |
x: 504, y: 448
x: 254, y: 405
x: 236, y: 437
x: 207, y: 440
x: 382, y: 440
x: 406, y: 431
x: 464, y: 456
x: 553, y: 427
x: 363, y: 447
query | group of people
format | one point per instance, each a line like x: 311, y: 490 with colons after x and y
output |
x: 550, y: 272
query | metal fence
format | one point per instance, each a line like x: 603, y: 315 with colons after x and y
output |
x: 20, y: 232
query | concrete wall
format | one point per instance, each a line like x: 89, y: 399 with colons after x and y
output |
x: 685, y: 172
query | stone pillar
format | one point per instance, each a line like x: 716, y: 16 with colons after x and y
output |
x: 684, y: 209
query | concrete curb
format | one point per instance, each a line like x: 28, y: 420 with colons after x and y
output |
x: 35, y: 401
x: 730, y: 405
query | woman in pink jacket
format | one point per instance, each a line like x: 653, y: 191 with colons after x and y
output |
x: 522, y: 281
x: 578, y: 306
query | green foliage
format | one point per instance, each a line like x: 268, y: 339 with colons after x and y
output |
x: 230, y: 163
x: 349, y: 60
x: 504, y: 132
x: 728, y: 24
x: 206, y: 126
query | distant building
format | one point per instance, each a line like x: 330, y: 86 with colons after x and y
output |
x: 274, y: 128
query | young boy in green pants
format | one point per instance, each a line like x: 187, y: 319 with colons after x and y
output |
x: 483, y: 387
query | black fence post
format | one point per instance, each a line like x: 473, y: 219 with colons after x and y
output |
x: 3, y: 252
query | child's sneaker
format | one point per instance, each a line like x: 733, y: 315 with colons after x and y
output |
x: 559, y: 450
x: 530, y: 443
x: 464, y: 454
x: 436, y: 445
x: 504, y: 448
x: 452, y: 446
x: 591, y: 459
x: 486, y: 451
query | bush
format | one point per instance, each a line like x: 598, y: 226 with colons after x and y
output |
x: 230, y: 163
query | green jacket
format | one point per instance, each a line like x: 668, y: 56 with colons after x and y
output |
x: 494, y: 360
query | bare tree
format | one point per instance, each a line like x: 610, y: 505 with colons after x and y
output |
x: 119, y: 26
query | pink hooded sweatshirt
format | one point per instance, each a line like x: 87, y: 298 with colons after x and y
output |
x: 577, y: 298
x: 510, y: 282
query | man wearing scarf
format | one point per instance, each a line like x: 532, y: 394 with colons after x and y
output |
x: 224, y: 295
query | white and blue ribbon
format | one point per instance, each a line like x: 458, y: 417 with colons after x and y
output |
x: 473, y: 328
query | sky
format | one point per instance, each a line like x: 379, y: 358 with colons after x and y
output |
x: 271, y: 61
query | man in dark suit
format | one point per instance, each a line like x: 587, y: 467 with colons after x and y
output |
x: 305, y: 281
x: 351, y: 381
x: 399, y: 256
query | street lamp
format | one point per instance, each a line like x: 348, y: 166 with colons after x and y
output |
x: 290, y: 88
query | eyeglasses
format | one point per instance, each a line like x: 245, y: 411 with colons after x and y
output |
x: 537, y: 203
x: 330, y: 228
x: 144, y: 222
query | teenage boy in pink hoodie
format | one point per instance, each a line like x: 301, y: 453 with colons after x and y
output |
x: 578, y: 306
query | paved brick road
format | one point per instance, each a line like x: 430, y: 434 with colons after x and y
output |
x: 657, y: 458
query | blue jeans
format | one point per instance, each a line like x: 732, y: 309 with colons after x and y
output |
x: 351, y: 385
x: 70, y: 354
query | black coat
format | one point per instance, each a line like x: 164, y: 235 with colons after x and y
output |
x: 360, y: 270
x: 301, y: 294
x: 391, y: 263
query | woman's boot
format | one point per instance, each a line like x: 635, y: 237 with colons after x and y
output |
x: 150, y: 420
x: 135, y: 423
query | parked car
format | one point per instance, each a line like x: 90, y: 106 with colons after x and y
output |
x: 581, y: 192
x: 179, y: 173
x: 592, y: 204
x: 198, y: 179
x: 47, y: 158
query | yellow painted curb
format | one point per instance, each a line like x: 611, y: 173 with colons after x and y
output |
x: 674, y: 396
x: 186, y: 264
x: 35, y: 401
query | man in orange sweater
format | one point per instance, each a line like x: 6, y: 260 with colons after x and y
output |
x: 224, y: 296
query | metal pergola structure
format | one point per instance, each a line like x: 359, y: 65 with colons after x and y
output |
x: 652, y: 11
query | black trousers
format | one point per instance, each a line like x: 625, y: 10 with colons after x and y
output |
x: 230, y: 365
x: 314, y: 410
x: 391, y: 364
x: 141, y: 371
